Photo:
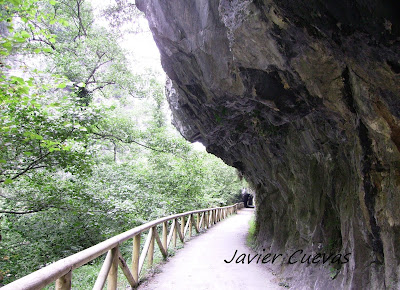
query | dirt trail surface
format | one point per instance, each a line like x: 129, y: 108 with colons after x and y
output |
x: 200, y: 264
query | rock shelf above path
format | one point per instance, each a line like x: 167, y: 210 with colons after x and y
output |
x: 303, y: 98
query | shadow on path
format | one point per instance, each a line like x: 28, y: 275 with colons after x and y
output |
x: 201, y: 265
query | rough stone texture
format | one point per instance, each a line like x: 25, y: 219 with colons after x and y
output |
x: 303, y: 97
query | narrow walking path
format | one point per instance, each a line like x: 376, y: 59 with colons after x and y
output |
x: 200, y: 265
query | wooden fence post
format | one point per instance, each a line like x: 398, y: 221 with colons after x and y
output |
x: 112, y: 279
x: 183, y: 228
x: 64, y: 282
x: 174, y: 233
x: 165, y: 236
x: 190, y: 225
x: 135, y: 258
x: 150, y: 253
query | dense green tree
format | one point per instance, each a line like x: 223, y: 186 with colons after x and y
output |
x: 82, y: 170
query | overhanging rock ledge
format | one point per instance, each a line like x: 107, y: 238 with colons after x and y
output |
x: 303, y: 97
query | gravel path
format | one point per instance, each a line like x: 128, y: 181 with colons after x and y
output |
x: 200, y: 265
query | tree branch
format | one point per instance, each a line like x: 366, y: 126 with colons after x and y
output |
x: 34, y: 164
x: 20, y: 212
x: 81, y: 26
x: 104, y: 84
x: 40, y: 39
x: 96, y: 68
x: 112, y: 137
x: 31, y: 166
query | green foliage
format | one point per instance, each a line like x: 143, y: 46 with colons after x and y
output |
x: 40, y: 133
x: 80, y: 211
x: 42, y: 121
x: 333, y: 272
x: 72, y: 215
x: 74, y: 171
x: 122, y: 16
x: 16, y: 39
x: 251, y: 235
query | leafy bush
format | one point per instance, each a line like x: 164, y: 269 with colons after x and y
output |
x: 73, y: 171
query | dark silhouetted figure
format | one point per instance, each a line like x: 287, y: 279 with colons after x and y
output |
x: 247, y: 198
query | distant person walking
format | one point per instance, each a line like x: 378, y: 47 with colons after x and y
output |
x: 247, y: 198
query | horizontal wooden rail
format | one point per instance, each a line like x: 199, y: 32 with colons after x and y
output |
x: 61, y: 271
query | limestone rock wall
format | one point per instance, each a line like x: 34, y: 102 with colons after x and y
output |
x: 303, y: 97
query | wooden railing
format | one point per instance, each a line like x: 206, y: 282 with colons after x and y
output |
x: 180, y: 225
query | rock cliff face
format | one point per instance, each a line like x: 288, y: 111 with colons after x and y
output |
x: 303, y: 97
